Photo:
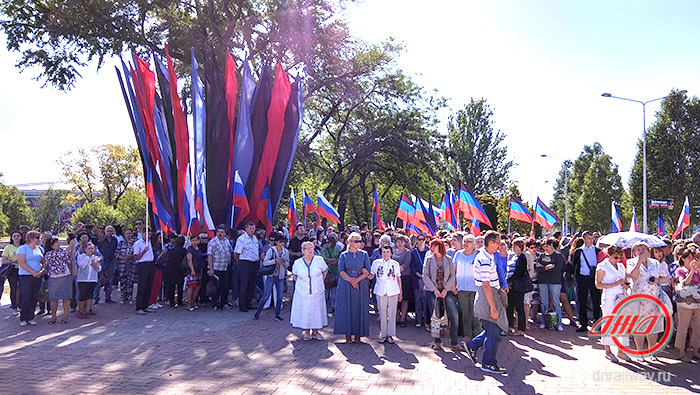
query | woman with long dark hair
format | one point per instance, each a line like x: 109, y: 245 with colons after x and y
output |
x: 10, y: 259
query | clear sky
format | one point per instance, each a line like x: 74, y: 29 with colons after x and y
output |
x: 542, y: 66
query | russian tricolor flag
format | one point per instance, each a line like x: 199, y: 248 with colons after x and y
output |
x: 544, y: 216
x: 683, y: 220
x: 240, y: 201
x: 616, y: 221
x: 518, y: 211
x: 633, y: 225
x: 292, y: 214
x: 325, y: 209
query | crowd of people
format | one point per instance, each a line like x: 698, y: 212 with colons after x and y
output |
x: 469, y: 289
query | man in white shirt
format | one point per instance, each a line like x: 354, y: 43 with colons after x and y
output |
x: 219, y: 258
x: 146, y: 269
x: 489, y: 305
x: 247, y: 255
x: 585, y: 262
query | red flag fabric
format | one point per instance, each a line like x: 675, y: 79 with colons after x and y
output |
x: 182, y: 141
x: 275, y: 125
x: 231, y: 92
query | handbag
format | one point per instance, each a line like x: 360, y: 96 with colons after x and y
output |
x: 267, y: 270
x: 4, y: 269
x: 523, y: 284
x: 439, y: 325
x: 330, y: 281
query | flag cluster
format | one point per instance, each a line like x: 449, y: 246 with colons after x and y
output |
x: 243, y: 146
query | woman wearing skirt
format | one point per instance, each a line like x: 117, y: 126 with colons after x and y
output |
x: 60, y: 267
x: 309, y: 302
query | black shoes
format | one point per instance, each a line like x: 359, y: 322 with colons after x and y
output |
x: 581, y: 329
x: 471, y: 354
x: 495, y: 369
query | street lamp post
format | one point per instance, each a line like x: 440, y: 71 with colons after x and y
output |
x: 644, y: 146
x: 565, y: 224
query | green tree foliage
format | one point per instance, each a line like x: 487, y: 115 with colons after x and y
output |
x: 594, y: 182
x: 14, y: 210
x: 474, y: 152
x: 673, y: 160
x: 46, y: 213
x: 97, y: 213
x: 116, y: 167
x: 377, y: 129
x: 120, y: 168
x: 132, y: 206
x: 78, y: 171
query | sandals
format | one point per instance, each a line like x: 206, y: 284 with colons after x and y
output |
x: 64, y: 321
x: 53, y: 321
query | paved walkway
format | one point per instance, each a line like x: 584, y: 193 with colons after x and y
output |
x: 176, y: 351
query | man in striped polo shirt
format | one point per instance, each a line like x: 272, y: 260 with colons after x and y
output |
x: 489, y: 306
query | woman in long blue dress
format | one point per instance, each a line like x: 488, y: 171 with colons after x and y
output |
x: 352, y: 300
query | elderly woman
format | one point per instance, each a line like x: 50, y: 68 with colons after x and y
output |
x: 402, y: 255
x: 276, y: 256
x: 352, y: 301
x: 388, y: 288
x: 439, y: 280
x: 647, y: 278
x: 611, y: 279
x: 60, y: 267
x: 309, y: 305
x: 688, y: 302
x: 31, y: 269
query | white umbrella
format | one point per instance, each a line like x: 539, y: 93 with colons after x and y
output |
x: 627, y: 239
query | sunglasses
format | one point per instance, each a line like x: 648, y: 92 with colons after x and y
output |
x: 356, y: 241
x: 421, y: 239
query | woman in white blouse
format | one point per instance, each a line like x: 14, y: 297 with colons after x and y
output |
x: 647, y: 278
x: 309, y: 305
x: 388, y: 290
x: 611, y: 278
x: 88, y: 267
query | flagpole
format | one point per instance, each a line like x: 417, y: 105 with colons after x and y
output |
x: 509, y: 224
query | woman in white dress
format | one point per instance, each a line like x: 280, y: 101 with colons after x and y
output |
x: 611, y: 278
x: 309, y: 304
x: 647, y: 278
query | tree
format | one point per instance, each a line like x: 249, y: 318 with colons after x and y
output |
x: 97, y: 213
x: 377, y: 129
x: 78, y: 171
x: 594, y: 182
x: 120, y: 168
x: 14, y: 210
x: 47, y: 212
x: 474, y: 153
x: 673, y: 160
x: 132, y: 206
